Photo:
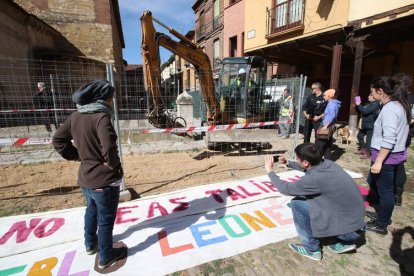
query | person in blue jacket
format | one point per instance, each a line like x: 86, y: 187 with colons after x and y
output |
x: 328, y: 121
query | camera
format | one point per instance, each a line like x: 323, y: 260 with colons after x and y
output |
x: 275, y: 158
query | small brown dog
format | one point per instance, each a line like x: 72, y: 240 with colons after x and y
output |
x: 344, y: 134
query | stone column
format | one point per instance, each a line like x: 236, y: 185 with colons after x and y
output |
x: 185, y: 108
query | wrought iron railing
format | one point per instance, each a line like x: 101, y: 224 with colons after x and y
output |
x: 217, y: 22
x: 285, y: 17
x: 200, y: 31
x: 203, y: 30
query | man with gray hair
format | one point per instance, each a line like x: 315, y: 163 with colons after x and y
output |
x: 43, y: 102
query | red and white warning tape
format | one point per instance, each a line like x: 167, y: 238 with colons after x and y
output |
x: 36, y: 110
x: 60, y: 109
x: 209, y: 128
x: 46, y: 141
x: 24, y: 141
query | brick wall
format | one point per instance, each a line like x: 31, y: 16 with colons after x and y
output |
x: 234, y: 26
x: 212, y: 32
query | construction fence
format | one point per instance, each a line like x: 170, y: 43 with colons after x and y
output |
x: 32, y: 171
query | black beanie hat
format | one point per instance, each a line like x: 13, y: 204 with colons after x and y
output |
x: 93, y: 91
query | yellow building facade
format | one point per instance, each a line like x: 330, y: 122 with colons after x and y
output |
x: 341, y: 43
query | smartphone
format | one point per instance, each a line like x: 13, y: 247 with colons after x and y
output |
x: 358, y: 99
x: 275, y: 158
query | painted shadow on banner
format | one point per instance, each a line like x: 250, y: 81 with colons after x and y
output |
x: 170, y: 223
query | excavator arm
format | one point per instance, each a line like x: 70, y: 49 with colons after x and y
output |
x: 186, y: 49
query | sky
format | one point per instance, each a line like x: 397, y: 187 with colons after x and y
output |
x: 177, y: 14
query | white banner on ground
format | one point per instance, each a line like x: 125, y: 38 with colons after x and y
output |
x: 164, y: 233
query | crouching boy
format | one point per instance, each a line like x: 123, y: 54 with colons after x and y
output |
x: 327, y: 203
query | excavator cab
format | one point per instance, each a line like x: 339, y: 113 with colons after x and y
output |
x: 241, y: 89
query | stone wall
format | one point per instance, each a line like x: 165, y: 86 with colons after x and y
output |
x: 88, y: 24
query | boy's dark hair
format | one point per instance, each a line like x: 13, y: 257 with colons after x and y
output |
x: 309, y: 152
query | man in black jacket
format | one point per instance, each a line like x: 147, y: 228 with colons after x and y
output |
x: 313, y: 109
x: 43, y: 100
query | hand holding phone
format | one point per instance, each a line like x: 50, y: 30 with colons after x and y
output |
x: 282, y: 160
x: 357, y: 100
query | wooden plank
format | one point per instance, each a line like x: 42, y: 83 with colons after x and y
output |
x: 336, y: 66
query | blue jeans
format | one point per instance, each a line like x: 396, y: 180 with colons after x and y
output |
x: 382, y: 193
x: 100, y: 213
x: 301, y: 217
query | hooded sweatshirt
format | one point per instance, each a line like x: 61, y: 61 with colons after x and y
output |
x: 331, y: 112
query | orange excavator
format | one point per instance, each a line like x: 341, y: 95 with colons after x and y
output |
x: 238, y: 96
x: 151, y: 41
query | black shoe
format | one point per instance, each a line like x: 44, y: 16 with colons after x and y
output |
x: 374, y: 216
x: 371, y: 215
x: 374, y: 227
x: 119, y: 253
x: 397, y: 201
x: 91, y: 250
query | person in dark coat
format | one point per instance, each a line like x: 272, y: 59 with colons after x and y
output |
x: 369, y: 113
x: 43, y: 102
x: 100, y: 171
x: 400, y: 174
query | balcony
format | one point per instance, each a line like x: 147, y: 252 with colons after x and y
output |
x: 217, y: 22
x: 200, y: 32
x: 285, y: 17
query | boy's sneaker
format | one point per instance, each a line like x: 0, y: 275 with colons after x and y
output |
x: 299, y: 248
x: 339, y: 247
x: 91, y: 250
x: 118, y: 253
x: 374, y: 227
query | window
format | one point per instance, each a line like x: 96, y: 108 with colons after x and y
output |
x: 216, y: 8
x: 188, y: 80
x: 216, y: 49
x: 200, y: 27
x: 288, y: 11
x: 242, y: 44
x: 216, y: 14
x: 286, y: 15
x: 201, y: 20
x: 233, y: 46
